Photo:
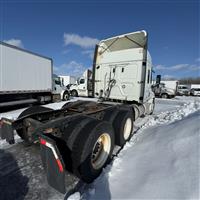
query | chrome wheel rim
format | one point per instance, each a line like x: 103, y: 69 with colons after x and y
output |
x: 127, y: 128
x: 101, y: 151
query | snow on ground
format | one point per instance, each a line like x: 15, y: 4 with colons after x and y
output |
x: 4, y: 144
x: 159, y: 162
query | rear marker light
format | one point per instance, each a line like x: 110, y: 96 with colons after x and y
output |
x: 59, y: 165
x: 44, y: 142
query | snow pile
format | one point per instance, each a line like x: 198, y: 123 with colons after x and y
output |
x: 75, y: 196
x: 171, y: 116
x: 160, y: 162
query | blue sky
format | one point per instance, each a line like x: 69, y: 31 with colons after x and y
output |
x: 68, y: 30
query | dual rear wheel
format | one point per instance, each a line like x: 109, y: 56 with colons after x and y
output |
x: 123, y: 127
x: 92, y: 141
x: 93, y: 147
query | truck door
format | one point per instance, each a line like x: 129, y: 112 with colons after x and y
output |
x: 102, y: 74
x: 82, y: 87
x: 127, y: 80
x: 148, y: 80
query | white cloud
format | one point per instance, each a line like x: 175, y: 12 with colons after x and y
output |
x: 185, y: 67
x: 66, y: 51
x: 160, y: 67
x: 198, y: 59
x: 168, y: 77
x: 90, y: 53
x: 14, y: 42
x: 179, y: 67
x: 75, y: 39
x: 71, y: 68
x: 55, y: 69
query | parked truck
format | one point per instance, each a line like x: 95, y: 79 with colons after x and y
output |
x: 171, y: 84
x: 26, y: 77
x: 80, y: 137
x: 67, y: 80
x: 83, y: 86
x: 164, y: 89
x: 183, y: 90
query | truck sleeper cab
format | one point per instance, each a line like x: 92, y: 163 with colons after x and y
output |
x: 81, y: 136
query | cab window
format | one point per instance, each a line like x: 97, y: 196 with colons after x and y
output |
x: 57, y: 81
x: 148, y: 77
x: 82, y: 81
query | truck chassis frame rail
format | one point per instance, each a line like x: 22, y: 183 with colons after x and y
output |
x: 63, y: 135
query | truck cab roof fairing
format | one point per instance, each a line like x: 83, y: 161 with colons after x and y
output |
x: 126, y: 41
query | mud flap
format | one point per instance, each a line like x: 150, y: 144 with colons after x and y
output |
x: 55, y: 176
x: 6, y: 131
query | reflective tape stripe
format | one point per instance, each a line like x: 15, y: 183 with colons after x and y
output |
x: 44, y: 142
x: 53, y: 149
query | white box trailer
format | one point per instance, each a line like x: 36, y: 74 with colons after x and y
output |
x: 22, y: 71
x: 171, y: 84
x: 195, y: 86
x: 25, y: 77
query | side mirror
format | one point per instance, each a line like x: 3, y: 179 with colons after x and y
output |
x: 158, y: 79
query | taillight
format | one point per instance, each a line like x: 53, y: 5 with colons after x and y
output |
x: 47, y: 144
x: 42, y: 141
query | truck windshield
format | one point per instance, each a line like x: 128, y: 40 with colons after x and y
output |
x: 80, y: 81
x: 57, y: 81
x: 162, y: 85
x: 183, y: 87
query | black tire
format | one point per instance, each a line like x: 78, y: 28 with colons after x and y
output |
x: 164, y: 95
x: 74, y: 93
x: 121, y: 120
x: 110, y: 115
x: 70, y: 133
x: 83, y: 150
x: 31, y: 110
x: 66, y: 96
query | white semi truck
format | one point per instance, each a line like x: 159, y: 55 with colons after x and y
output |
x: 26, y: 77
x: 83, y: 86
x: 80, y: 137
